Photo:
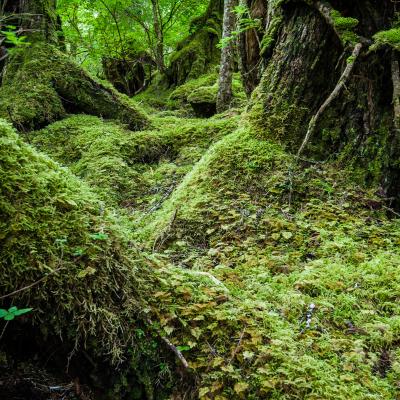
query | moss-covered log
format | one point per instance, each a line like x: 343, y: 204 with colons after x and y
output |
x: 41, y: 85
x: 66, y: 255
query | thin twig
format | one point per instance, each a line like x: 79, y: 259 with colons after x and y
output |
x: 237, y: 347
x: 31, y: 285
x: 173, y: 348
x: 4, y: 329
x: 177, y: 352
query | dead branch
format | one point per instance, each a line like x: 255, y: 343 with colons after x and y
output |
x: 173, y: 348
x: 177, y: 352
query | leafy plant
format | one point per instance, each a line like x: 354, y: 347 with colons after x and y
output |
x: 12, y: 312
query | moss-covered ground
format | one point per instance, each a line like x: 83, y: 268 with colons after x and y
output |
x: 274, y: 279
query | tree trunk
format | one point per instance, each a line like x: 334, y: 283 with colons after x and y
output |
x: 305, y: 67
x: 225, y: 95
x: 159, y: 50
x: 41, y: 84
x: 249, y: 46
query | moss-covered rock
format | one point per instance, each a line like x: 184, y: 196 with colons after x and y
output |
x: 201, y: 94
x: 41, y: 85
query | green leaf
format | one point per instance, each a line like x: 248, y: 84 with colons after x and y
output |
x: 9, y: 317
x: 3, y: 313
x: 12, y: 310
x: 183, y: 348
x: 240, y: 387
x: 23, y: 311
x: 99, y: 236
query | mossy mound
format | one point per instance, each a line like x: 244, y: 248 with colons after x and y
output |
x: 285, y: 278
x: 72, y: 255
x: 201, y: 94
x: 130, y: 169
x: 41, y: 85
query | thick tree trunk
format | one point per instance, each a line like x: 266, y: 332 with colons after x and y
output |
x: 225, y: 95
x: 303, y: 68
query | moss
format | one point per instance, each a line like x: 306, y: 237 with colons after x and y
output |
x: 269, y: 37
x: 270, y: 264
x: 390, y: 37
x: 122, y: 166
x: 41, y: 85
x: 52, y: 222
x: 182, y: 92
x: 201, y: 93
x: 345, y: 26
x: 197, y: 54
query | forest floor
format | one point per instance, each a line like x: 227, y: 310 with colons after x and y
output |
x: 275, y: 280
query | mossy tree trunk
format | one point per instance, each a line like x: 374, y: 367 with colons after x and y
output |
x: 306, y: 51
x: 158, y: 29
x: 225, y: 95
x: 41, y: 84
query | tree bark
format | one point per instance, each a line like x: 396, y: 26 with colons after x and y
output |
x: 157, y: 21
x: 301, y: 73
x: 225, y: 95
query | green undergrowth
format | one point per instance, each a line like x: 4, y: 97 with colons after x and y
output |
x: 283, y: 281
x: 136, y: 170
x: 274, y: 279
